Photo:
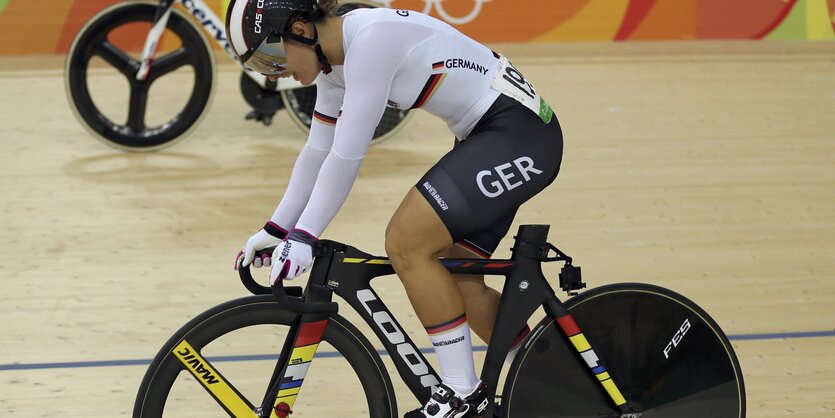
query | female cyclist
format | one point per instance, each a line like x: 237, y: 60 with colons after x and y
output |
x: 508, y: 147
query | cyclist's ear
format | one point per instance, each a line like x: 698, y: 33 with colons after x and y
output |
x: 300, y: 28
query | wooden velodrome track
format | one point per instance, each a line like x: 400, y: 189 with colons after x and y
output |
x: 705, y: 167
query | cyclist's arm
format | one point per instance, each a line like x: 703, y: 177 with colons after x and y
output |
x: 369, y: 70
x: 328, y: 102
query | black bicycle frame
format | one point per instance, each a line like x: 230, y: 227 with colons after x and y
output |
x: 347, y: 271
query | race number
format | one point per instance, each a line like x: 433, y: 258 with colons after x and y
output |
x: 510, y: 82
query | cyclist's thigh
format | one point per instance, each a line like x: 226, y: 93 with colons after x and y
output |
x: 484, y: 242
x: 509, y: 158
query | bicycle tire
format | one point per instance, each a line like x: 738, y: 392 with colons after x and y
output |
x: 301, y: 101
x: 155, y: 390
x: 631, y: 328
x: 133, y: 134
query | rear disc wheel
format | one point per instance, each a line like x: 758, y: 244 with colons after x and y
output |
x: 666, y: 355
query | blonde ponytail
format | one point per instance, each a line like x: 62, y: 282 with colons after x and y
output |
x: 329, y: 6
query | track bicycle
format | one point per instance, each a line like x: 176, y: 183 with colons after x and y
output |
x: 101, y: 50
x: 623, y: 350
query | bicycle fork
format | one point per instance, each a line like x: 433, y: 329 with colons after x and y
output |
x: 285, y: 386
x: 149, y: 51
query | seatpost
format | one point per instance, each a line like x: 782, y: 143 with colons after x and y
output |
x: 525, y: 290
x: 532, y: 241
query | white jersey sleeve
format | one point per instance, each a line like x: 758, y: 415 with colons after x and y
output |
x: 369, y: 69
x: 309, y: 162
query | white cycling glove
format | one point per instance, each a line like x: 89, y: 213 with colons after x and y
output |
x: 294, y: 256
x: 268, y: 236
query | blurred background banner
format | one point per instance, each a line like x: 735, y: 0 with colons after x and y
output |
x: 31, y: 27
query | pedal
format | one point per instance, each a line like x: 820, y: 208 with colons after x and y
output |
x: 264, y: 101
x: 571, y: 279
x: 265, y: 118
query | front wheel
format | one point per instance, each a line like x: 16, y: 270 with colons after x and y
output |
x: 130, y: 114
x: 233, y: 348
x: 666, y: 355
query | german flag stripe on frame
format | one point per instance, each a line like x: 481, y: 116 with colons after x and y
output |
x: 568, y: 325
x: 321, y: 117
x: 429, y: 89
x: 304, y: 348
x: 304, y: 354
x: 613, y: 391
x: 581, y: 344
x: 310, y: 333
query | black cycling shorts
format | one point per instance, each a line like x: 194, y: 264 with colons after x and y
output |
x: 476, y: 188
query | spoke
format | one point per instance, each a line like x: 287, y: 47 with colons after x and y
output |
x: 116, y: 57
x: 138, y: 105
x: 170, y: 62
x: 210, y: 378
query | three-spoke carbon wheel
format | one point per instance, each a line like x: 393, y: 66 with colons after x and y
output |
x: 667, y: 356
x: 103, y: 38
x: 237, y: 344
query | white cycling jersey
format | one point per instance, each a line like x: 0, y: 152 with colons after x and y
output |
x: 397, y: 58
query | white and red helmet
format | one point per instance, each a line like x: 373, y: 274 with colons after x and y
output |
x: 256, y: 29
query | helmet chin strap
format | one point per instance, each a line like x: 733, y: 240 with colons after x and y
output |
x: 326, y: 66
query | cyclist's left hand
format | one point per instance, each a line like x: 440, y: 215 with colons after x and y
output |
x: 293, y: 257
